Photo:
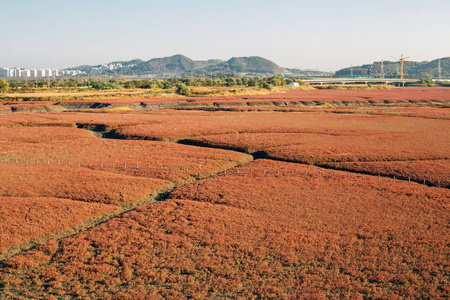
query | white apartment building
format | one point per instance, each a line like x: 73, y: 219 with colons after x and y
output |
x: 32, y: 73
x: 25, y: 73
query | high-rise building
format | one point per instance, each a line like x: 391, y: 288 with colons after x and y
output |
x: 4, y: 72
x: 41, y: 73
x: 25, y: 73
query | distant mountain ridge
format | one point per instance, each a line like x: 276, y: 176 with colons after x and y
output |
x: 180, y: 65
x: 411, y: 69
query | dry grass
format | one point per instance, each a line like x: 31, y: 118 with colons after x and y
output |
x: 62, y: 95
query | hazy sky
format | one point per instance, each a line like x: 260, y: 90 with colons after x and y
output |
x: 324, y: 34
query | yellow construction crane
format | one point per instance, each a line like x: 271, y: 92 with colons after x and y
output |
x: 401, y: 63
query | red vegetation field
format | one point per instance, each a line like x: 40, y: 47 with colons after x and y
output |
x: 268, y: 229
x: 436, y: 172
x: 42, y: 134
x: 185, y: 124
x: 406, y: 95
x: 407, y: 111
x: 76, y: 183
x: 72, y: 119
x: 253, y: 236
x: 30, y: 219
x: 315, y: 138
x: 149, y: 159
x: 84, y: 168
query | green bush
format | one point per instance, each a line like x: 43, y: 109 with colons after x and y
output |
x: 266, y: 86
x: 106, y: 86
x: 182, y: 89
x: 426, y: 81
x: 4, y: 86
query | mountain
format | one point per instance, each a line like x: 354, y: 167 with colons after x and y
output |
x: 252, y: 64
x: 179, y: 65
x: 411, y: 69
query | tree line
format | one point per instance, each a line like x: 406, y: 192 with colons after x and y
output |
x: 180, y: 85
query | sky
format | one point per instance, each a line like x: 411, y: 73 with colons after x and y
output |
x: 316, y: 34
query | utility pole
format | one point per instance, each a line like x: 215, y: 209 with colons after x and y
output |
x: 439, y: 69
x: 382, y: 69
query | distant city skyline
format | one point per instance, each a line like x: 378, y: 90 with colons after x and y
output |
x: 322, y: 34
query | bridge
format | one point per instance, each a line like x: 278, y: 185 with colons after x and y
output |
x: 395, y: 81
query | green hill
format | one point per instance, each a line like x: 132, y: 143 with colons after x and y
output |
x: 179, y: 65
x: 252, y: 64
x: 411, y: 69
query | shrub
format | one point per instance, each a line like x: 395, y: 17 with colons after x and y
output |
x: 4, y: 86
x: 182, y: 89
x: 266, y: 86
x: 106, y: 86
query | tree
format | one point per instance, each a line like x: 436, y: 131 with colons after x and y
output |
x: 182, y: 89
x: 4, y: 86
x: 278, y: 81
x: 73, y: 82
x: 231, y: 81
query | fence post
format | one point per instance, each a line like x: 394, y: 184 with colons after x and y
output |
x: 278, y: 172
x: 59, y: 162
x: 362, y: 176
x: 48, y: 161
x: 292, y: 173
x: 186, y: 170
x: 320, y: 173
x: 348, y: 175
x: 78, y: 163
x: 394, y: 178
x: 409, y: 179
x: 125, y: 165
x: 378, y: 176
x: 113, y: 165
x: 424, y: 181
x: 69, y: 162
x: 306, y: 172
x: 264, y: 171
